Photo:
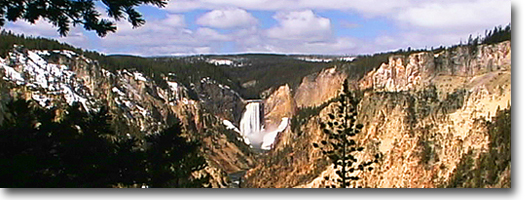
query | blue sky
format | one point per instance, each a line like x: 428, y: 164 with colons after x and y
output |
x: 343, y: 27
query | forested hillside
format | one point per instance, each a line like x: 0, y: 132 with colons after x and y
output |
x: 76, y: 118
x: 267, y: 70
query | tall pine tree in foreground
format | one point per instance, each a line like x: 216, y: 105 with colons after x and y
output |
x: 341, y: 147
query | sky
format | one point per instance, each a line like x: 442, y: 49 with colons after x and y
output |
x: 334, y: 27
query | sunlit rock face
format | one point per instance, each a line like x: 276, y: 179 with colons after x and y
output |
x: 398, y: 75
x: 423, y: 113
x: 418, y: 70
x: 316, y: 89
x: 280, y: 104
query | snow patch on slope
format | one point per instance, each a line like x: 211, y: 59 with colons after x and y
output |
x: 140, y: 77
x: 52, y: 83
x: 229, y: 125
x: 220, y: 62
x: 31, y: 70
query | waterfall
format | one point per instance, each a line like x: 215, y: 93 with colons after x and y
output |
x: 251, y: 127
x: 251, y: 120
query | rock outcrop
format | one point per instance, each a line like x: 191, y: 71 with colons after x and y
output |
x: 429, y: 115
x: 279, y: 105
x: 137, y: 103
x: 319, y: 88
x: 417, y: 70
x: 220, y: 99
x: 426, y: 114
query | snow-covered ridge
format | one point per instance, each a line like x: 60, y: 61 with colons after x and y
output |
x: 347, y: 59
x: 45, y: 79
x: 326, y: 60
x: 310, y: 59
x: 220, y: 61
x: 235, y: 62
x: 208, y: 80
x: 230, y: 125
x: 52, y: 83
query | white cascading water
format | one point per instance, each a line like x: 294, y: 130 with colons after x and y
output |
x: 251, y: 121
x: 252, y: 130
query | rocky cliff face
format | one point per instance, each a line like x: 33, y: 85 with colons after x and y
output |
x: 139, y: 106
x: 418, y: 70
x: 220, y: 99
x: 428, y: 115
x: 292, y: 160
x: 317, y: 89
x: 314, y: 90
x: 279, y: 105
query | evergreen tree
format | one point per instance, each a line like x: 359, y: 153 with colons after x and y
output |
x: 64, y: 13
x: 86, y: 149
x: 40, y: 149
x: 25, y: 154
x: 341, y: 146
x: 497, y: 35
x: 171, y: 160
x: 487, y: 168
x: 130, y: 160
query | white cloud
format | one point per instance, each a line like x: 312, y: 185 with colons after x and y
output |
x: 211, y: 34
x: 301, y: 25
x: 171, y: 21
x: 342, y: 45
x: 40, y: 26
x: 227, y: 18
x: 369, y: 7
x: 183, y: 6
x: 458, y: 15
x: 434, y: 23
x: 174, y: 20
x: 188, y: 5
x: 155, y: 37
x: 167, y: 36
x: 202, y: 50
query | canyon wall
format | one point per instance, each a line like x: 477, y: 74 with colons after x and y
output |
x: 319, y: 88
x: 430, y: 116
x: 137, y: 103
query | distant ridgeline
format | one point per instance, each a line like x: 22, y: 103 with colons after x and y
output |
x: 266, y: 71
x: 261, y: 72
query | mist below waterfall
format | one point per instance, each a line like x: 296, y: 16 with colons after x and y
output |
x: 252, y: 129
